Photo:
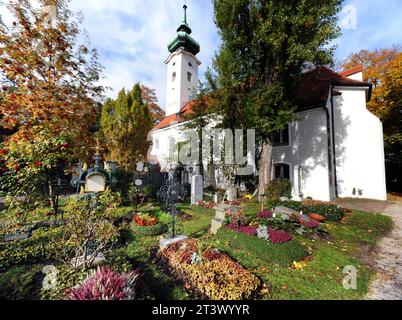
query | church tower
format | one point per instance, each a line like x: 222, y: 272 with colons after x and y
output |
x: 182, y: 68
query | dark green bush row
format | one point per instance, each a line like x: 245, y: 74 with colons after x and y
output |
x: 43, y: 245
x: 21, y: 283
x: 331, y: 211
x: 282, y: 254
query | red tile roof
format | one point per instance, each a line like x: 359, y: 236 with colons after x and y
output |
x: 315, y: 85
x: 351, y: 71
x: 176, y: 118
x: 313, y: 90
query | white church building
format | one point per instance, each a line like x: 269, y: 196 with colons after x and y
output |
x: 335, y: 149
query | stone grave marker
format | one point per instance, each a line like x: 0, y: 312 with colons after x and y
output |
x: 220, y: 215
x: 95, y: 182
x: 197, y: 190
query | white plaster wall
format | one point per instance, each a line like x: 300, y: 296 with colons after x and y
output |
x: 308, y: 150
x: 359, y: 145
x: 180, y: 91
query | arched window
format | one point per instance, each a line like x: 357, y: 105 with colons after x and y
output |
x: 282, y: 171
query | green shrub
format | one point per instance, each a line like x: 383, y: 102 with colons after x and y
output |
x: 154, y: 230
x: 327, y: 209
x: 164, y: 218
x: 21, y: 283
x: 44, y: 244
x: 278, y: 188
x: 282, y: 254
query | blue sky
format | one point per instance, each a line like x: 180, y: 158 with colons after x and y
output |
x: 132, y: 35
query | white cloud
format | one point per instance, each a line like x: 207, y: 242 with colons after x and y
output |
x: 132, y: 35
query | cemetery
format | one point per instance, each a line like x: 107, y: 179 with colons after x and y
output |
x: 116, y: 198
x: 171, y: 248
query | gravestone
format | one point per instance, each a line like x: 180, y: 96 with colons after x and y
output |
x: 166, y: 242
x: 286, y: 213
x: 197, y: 190
x: 17, y: 236
x: 95, y: 182
x: 220, y: 215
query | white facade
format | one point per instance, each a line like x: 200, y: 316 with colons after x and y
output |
x: 352, y: 143
x: 307, y: 156
x: 182, y: 80
x: 334, y: 150
x: 359, y: 141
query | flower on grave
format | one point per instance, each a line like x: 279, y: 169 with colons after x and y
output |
x: 248, y: 197
x: 299, y: 265
x: 310, y: 224
x: 266, y: 214
x: 49, y: 213
x: 38, y: 163
x: 196, y: 258
x: 16, y: 167
x: 5, y: 88
x: 277, y: 236
x: 262, y: 232
x: 3, y: 151
x: 65, y: 145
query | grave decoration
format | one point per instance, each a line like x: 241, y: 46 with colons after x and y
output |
x: 171, y: 193
x: 56, y: 187
x: 137, y: 189
x: 95, y: 179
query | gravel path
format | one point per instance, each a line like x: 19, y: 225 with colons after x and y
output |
x: 388, y: 255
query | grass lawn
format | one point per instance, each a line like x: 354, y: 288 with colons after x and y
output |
x: 348, y: 243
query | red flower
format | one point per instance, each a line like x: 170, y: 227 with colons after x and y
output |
x: 17, y: 167
x: 5, y: 88
x: 3, y: 151
x: 38, y: 163
x: 13, y: 96
x: 49, y: 214
x: 65, y: 145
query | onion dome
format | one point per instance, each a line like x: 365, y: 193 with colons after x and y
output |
x: 183, y: 38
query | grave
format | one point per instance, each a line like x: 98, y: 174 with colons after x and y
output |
x: 286, y: 213
x: 95, y: 182
x: 171, y: 192
x: 17, y: 236
x: 220, y: 215
x: 197, y: 190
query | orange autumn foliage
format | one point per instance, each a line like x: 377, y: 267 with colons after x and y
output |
x: 49, y: 88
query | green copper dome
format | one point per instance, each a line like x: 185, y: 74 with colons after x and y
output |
x: 183, y: 39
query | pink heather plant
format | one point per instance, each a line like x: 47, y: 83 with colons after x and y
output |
x: 277, y: 236
x: 311, y: 224
x: 105, y: 284
x: 249, y: 230
x: 266, y: 214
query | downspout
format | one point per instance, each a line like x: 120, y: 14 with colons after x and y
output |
x: 333, y: 141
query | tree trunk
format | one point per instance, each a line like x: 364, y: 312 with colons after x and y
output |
x: 265, y: 169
